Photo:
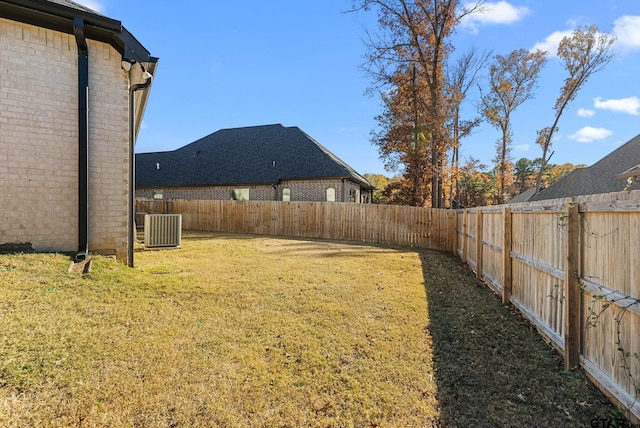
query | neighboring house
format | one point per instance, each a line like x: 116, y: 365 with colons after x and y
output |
x: 72, y: 92
x: 265, y: 163
x: 605, y: 176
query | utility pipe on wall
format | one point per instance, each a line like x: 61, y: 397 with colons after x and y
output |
x: 83, y: 140
x: 132, y: 164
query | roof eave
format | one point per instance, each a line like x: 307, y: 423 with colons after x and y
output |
x: 178, y: 186
x: 267, y: 183
x: 366, y: 185
x: 633, y: 172
x: 58, y: 17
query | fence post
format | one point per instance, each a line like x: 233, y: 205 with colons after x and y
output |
x: 572, y: 291
x: 506, y: 260
x: 479, y: 243
x: 464, y: 236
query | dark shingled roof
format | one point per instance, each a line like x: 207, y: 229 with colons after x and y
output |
x: 243, y: 156
x: 524, y: 196
x: 598, y: 178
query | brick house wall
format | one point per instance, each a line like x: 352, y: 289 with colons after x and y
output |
x: 299, y: 190
x: 256, y: 193
x: 39, y: 141
x: 311, y: 190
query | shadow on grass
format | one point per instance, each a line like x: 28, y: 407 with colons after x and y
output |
x: 491, y: 367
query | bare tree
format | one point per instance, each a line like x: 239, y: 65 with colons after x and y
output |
x: 583, y: 53
x: 460, y: 78
x: 512, y: 80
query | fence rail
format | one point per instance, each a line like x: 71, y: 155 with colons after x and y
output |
x: 559, y: 262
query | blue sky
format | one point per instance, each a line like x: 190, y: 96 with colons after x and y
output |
x: 231, y: 64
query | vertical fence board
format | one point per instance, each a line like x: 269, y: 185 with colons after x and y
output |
x: 479, y: 237
x: 465, y: 233
x: 506, y: 256
x: 572, y: 292
x: 472, y: 257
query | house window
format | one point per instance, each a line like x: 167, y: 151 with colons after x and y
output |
x: 240, y: 194
x: 331, y: 194
x: 352, y: 195
x: 157, y: 194
x: 286, y: 194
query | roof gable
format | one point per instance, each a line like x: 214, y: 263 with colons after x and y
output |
x: 251, y: 155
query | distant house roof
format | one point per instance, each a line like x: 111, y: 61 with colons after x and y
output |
x: 524, y: 196
x: 243, y: 156
x: 601, y: 177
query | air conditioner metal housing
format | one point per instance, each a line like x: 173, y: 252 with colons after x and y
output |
x: 162, y: 230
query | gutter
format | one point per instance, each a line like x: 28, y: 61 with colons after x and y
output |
x: 56, y: 16
x: 83, y: 140
x: 132, y: 164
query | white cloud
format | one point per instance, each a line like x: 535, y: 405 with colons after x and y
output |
x: 494, y: 13
x: 583, y: 112
x: 523, y: 147
x: 92, y: 4
x: 589, y: 134
x: 629, y: 105
x: 550, y: 44
x: 627, y: 31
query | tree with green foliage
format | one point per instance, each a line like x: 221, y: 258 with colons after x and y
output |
x: 524, y: 169
x: 380, y: 182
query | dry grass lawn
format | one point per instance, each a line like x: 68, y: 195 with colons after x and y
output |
x: 236, y: 330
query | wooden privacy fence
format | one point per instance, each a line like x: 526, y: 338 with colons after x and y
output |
x: 560, y: 262
x: 382, y: 224
x: 572, y: 267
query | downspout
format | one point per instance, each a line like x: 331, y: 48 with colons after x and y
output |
x: 132, y: 164
x: 83, y: 140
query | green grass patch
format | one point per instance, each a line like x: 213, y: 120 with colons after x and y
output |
x: 234, y: 330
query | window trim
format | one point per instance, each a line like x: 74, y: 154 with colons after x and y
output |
x: 237, y: 194
x: 332, y: 190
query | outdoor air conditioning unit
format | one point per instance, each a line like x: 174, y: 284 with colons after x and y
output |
x: 162, y: 230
